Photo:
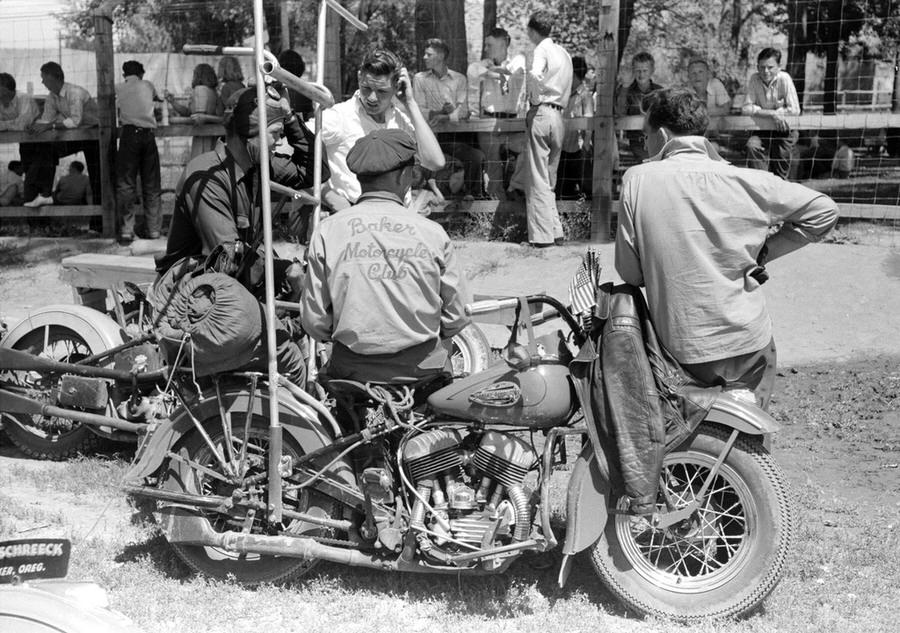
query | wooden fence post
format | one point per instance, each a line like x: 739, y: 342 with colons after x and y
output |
x: 106, y: 110
x: 605, y: 147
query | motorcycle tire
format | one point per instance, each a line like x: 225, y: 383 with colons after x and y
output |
x: 246, y: 569
x: 50, y: 438
x: 725, y: 559
x: 470, y: 352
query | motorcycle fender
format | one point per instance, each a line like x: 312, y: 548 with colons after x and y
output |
x: 741, y: 415
x: 587, y: 501
x: 297, y: 420
x: 98, y: 330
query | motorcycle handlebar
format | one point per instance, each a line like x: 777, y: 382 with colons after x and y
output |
x: 490, y: 305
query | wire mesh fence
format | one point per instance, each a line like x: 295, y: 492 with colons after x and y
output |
x: 840, y: 57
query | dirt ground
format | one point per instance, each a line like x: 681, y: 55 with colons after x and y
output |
x: 828, y: 301
x: 836, y: 310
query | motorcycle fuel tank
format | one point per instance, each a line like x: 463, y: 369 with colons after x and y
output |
x: 537, y: 397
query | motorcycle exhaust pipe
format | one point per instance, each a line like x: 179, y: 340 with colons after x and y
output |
x: 182, y: 527
x: 15, y: 403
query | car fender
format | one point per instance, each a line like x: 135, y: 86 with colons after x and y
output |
x: 297, y: 419
x: 98, y: 330
x: 587, y: 501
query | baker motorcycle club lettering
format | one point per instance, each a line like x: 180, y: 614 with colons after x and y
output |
x: 383, y: 263
x: 26, y: 559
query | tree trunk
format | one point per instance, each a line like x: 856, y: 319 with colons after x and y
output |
x: 798, y: 45
x: 626, y: 16
x: 489, y: 23
x: 831, y: 78
x: 446, y: 20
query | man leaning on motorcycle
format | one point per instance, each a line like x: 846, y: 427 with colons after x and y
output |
x: 697, y: 231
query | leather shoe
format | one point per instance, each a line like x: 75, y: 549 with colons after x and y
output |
x: 39, y: 201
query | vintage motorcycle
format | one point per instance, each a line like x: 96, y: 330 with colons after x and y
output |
x: 454, y: 479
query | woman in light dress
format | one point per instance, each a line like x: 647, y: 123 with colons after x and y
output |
x: 204, y: 107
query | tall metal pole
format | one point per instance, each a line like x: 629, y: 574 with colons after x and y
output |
x: 317, y: 155
x: 266, y: 202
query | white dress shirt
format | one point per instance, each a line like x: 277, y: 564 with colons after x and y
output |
x: 550, y: 77
x: 496, y: 92
x: 342, y: 125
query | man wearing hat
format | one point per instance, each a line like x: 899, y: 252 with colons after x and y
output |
x: 382, y: 283
x: 138, y: 153
x: 217, y: 203
x: 217, y: 198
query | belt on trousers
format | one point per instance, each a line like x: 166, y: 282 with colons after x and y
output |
x: 555, y: 106
x: 139, y: 129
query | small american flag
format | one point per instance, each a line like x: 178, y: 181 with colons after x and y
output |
x: 583, y: 287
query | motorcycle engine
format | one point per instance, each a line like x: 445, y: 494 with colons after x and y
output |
x: 465, y: 496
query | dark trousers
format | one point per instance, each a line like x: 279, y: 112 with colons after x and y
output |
x: 138, y: 154
x: 772, y: 151
x: 754, y: 371
x: 40, y: 161
x: 575, y: 174
x: 471, y: 158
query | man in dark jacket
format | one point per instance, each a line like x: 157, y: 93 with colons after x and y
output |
x: 217, y: 196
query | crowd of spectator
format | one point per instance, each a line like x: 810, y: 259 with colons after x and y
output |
x: 547, y: 87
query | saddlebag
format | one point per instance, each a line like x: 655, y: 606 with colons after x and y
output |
x: 637, y: 401
x: 209, y: 319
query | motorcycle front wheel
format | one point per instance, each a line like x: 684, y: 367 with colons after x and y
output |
x: 222, y: 564
x: 726, y: 557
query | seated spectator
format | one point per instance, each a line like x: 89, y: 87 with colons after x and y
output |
x: 12, y: 193
x: 292, y: 61
x: 576, y: 159
x: 771, y: 95
x: 204, y: 106
x: 231, y: 78
x: 496, y: 90
x: 74, y: 187
x: 628, y: 100
x: 442, y: 95
x: 708, y: 88
x: 67, y: 107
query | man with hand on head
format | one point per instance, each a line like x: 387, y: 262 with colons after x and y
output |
x: 383, y: 284
x: 382, y: 78
x: 696, y: 231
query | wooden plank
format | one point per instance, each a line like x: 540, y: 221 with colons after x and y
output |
x: 106, y: 112
x: 864, y: 211
x: 52, y: 211
x: 104, y: 271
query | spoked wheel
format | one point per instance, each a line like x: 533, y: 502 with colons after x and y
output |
x: 206, y: 475
x: 470, y: 352
x: 48, y: 437
x: 721, y: 561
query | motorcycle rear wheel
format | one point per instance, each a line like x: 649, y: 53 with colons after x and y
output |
x: 246, y: 569
x: 43, y: 437
x: 725, y: 559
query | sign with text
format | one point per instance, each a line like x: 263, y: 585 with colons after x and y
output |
x: 27, y: 559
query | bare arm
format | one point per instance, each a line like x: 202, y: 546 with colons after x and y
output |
x: 430, y: 154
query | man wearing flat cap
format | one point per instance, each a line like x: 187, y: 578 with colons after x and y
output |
x: 383, y: 283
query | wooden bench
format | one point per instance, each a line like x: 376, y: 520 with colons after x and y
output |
x: 93, y: 275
